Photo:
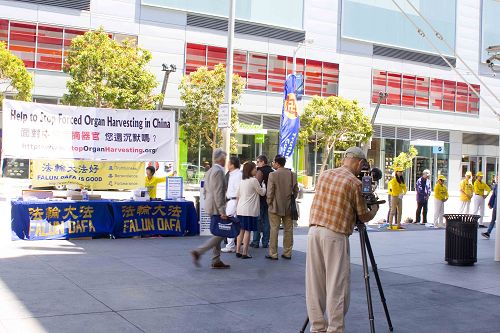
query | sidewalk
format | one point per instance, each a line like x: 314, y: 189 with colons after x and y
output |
x: 150, y: 285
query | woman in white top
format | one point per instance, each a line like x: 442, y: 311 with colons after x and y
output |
x: 248, y: 208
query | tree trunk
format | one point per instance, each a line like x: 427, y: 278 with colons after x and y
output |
x: 324, y: 158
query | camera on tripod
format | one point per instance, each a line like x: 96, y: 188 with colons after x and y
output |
x: 369, y: 180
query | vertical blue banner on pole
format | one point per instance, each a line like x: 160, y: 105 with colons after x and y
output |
x: 290, y: 122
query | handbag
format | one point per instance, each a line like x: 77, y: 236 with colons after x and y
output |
x: 293, y: 203
x: 229, y: 228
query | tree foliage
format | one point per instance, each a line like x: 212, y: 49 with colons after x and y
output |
x: 109, y: 74
x: 333, y: 123
x: 202, y: 92
x: 14, y: 77
x: 405, y: 159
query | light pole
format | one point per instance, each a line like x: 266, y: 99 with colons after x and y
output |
x: 226, y: 132
x: 167, y: 69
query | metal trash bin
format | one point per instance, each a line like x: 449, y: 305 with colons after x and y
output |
x: 461, y: 239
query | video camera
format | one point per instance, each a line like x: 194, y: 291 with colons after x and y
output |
x: 369, y: 179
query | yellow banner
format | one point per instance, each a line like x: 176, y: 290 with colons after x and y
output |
x: 90, y: 174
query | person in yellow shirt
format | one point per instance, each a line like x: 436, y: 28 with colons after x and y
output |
x: 440, y: 197
x: 397, y: 189
x: 481, y: 191
x: 152, y: 181
x: 466, y: 191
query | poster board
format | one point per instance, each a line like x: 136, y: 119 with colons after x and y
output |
x: 38, y: 131
x: 175, y: 188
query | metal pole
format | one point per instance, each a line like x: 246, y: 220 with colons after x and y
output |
x: 226, y: 132
x: 497, y: 238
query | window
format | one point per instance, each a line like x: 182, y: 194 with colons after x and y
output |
x: 474, y: 99
x: 257, y: 71
x: 408, y: 93
x: 422, y: 92
x: 23, y: 42
x: 49, y: 49
x: 120, y: 38
x: 196, y: 56
x: 449, y: 88
x: 69, y: 34
x: 277, y: 73
x: 462, y: 96
x: 394, y: 88
x: 215, y: 56
x: 4, y: 31
x: 240, y: 64
x: 436, y: 95
x: 313, y: 78
x: 379, y: 84
x: 330, y: 86
x: 262, y: 71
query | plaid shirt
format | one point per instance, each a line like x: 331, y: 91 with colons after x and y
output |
x: 337, y: 201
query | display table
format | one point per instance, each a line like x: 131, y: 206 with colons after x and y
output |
x: 36, y: 220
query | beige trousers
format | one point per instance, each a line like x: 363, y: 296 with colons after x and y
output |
x: 438, y: 213
x: 328, y: 273
x: 213, y: 243
x: 275, y: 221
x: 396, y: 210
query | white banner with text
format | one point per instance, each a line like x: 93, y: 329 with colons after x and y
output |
x: 41, y: 131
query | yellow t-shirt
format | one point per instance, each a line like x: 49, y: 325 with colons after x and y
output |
x: 440, y: 192
x: 395, y: 188
x: 467, y: 188
x: 151, y: 184
x: 480, y: 188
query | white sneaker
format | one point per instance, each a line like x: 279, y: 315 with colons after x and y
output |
x: 228, y: 250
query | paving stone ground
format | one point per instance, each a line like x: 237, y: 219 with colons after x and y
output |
x: 150, y: 285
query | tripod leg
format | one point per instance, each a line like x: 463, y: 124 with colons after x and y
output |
x: 366, y: 273
x: 305, y: 325
x: 379, y: 283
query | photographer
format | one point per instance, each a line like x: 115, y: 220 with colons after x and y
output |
x: 336, y: 206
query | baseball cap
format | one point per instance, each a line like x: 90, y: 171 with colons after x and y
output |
x: 398, y: 169
x: 356, y: 152
x: 479, y: 174
x: 468, y: 173
x: 441, y: 177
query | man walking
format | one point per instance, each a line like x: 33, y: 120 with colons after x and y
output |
x: 282, y: 185
x: 493, y: 205
x: 215, y: 205
x: 481, y: 191
x: 466, y: 191
x: 263, y: 171
x: 440, y: 197
x: 336, y: 206
x: 423, y: 194
x: 233, y: 178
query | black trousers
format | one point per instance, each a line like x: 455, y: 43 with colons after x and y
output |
x: 420, y: 205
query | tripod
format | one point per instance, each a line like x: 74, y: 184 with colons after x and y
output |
x: 366, y: 246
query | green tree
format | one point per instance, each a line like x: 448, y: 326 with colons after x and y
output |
x: 405, y: 159
x: 14, y: 76
x: 202, y: 92
x: 106, y: 73
x: 333, y: 123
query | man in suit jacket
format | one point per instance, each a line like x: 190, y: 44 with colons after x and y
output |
x: 214, y: 191
x: 282, y: 185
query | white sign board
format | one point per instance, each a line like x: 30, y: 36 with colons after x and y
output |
x: 224, y: 120
x: 204, y: 217
x: 175, y: 188
x: 41, y: 131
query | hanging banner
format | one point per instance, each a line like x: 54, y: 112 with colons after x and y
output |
x: 90, y: 174
x: 290, y: 121
x: 36, y: 131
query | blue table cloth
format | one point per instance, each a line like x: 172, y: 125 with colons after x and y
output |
x: 36, y: 220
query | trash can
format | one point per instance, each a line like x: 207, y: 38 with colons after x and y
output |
x: 461, y: 239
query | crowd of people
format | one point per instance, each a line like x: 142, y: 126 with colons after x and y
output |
x: 471, y: 190
x: 259, y: 196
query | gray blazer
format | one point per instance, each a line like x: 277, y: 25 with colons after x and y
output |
x: 215, y: 187
x: 279, y: 191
